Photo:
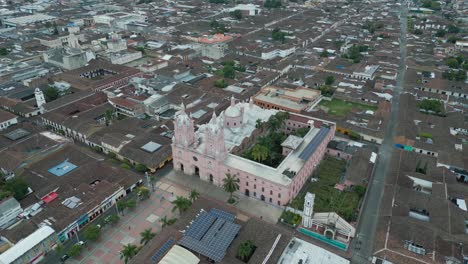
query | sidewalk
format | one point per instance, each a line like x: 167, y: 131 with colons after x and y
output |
x: 248, y: 205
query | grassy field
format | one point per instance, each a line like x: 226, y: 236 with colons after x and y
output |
x: 338, y: 107
x: 327, y: 198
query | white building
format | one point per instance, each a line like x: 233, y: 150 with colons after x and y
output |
x: 247, y: 9
x: 32, y: 248
x: 125, y: 57
x: 7, y: 119
x: 368, y: 73
x: 9, y: 210
x: 271, y: 54
x: 60, y: 41
x: 300, y: 251
x: 26, y: 20
x: 120, y: 19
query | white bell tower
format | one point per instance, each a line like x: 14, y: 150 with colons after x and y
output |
x: 308, y: 210
x: 40, y: 99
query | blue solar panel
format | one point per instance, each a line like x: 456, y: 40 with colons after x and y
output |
x: 211, y: 234
x: 223, y: 214
x: 314, y: 143
x: 165, y: 247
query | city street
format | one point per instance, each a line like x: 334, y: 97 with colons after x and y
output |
x: 363, y: 244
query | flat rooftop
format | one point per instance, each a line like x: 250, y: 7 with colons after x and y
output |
x: 295, y: 99
x: 300, y: 251
x: 62, y: 168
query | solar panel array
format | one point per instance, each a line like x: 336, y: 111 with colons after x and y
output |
x: 210, y: 234
x: 222, y: 214
x: 314, y: 143
x: 161, y: 251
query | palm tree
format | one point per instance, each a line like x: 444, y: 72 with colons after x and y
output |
x: 245, y: 250
x: 146, y: 236
x: 181, y: 203
x: 164, y: 222
x: 194, y: 194
x: 260, y: 152
x: 128, y: 252
x: 167, y: 222
x: 230, y: 185
x: 109, y: 116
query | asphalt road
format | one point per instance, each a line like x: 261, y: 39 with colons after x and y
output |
x: 362, y: 246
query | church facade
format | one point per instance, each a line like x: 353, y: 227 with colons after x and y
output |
x: 208, y: 152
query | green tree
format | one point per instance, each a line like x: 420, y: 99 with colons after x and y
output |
x: 326, y: 90
x: 278, y: 35
x: 113, y: 219
x: 229, y: 72
x: 194, y: 195
x: 258, y: 123
x: 167, y: 222
x: 18, y: 187
x: 121, y: 205
x: 453, y: 29
x: 4, y: 51
x: 92, y: 233
x: 131, y: 204
x: 360, y: 190
x: 220, y: 83
x: 128, y: 252
x: 109, y: 115
x: 272, y: 3
x: 441, y: 33
x: 181, y: 204
x: 260, y: 153
x: 330, y: 80
x: 59, y: 248
x: 51, y: 94
x: 143, y: 192
x: 141, y: 168
x: 236, y: 14
x: 418, y: 31
x: 431, y: 105
x: 125, y: 166
x: 146, y: 236
x: 230, y: 185
x: 452, y: 63
x: 301, y: 132
x: 75, y: 250
x: 324, y: 53
x: 245, y: 250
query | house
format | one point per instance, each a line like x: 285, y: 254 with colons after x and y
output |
x: 7, y: 119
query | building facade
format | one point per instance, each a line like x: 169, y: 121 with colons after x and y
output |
x: 208, y: 152
x: 32, y: 248
x: 9, y: 211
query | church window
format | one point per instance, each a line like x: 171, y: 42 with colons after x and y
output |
x: 195, y: 158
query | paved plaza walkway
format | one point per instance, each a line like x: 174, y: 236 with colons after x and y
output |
x: 127, y: 231
x: 253, y: 207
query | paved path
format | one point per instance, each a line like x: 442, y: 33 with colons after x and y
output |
x: 127, y: 231
x: 249, y: 205
x: 363, y: 244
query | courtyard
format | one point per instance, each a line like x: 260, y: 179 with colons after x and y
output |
x: 340, y: 108
x: 327, y: 197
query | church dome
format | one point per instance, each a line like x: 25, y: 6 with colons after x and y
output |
x: 232, y: 111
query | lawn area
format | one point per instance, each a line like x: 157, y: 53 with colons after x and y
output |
x: 327, y: 198
x: 338, y: 107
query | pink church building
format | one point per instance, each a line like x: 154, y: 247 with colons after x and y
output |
x: 211, y: 151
